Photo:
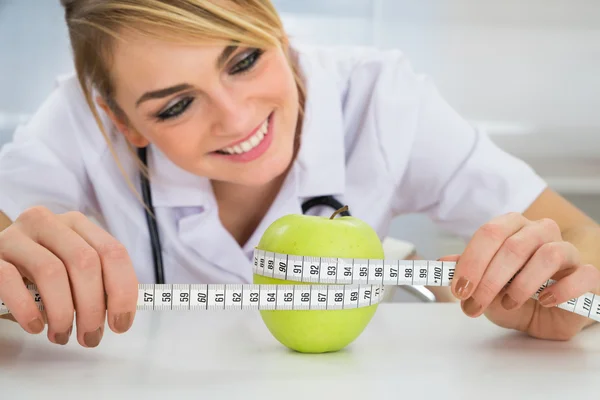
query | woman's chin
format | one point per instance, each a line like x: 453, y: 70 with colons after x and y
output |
x: 259, y: 175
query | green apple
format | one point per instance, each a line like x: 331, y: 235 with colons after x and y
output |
x: 318, y: 331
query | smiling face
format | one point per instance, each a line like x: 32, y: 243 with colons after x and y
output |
x: 226, y: 113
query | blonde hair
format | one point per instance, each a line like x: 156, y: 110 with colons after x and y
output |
x: 94, y: 24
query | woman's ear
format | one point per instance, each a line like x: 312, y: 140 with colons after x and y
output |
x: 130, y: 134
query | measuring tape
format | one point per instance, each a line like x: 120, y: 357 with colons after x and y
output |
x: 330, y: 283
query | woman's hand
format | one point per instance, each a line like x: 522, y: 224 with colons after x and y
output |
x: 535, y: 250
x: 77, y: 267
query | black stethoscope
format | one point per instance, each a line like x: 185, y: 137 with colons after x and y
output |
x: 153, y: 228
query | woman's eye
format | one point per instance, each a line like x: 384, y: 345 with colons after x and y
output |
x: 247, y: 63
x: 176, y: 109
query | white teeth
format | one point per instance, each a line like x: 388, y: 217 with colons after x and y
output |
x: 246, y: 146
x: 251, y: 143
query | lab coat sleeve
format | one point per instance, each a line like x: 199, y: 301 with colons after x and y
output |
x: 42, y: 165
x: 456, y: 175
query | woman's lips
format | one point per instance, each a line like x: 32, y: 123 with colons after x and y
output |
x: 251, y: 148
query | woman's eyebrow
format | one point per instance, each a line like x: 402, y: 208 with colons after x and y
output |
x: 160, y: 93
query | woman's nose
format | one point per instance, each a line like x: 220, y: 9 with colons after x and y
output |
x: 234, y: 117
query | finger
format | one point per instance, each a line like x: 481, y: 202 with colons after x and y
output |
x: 48, y: 273
x: 543, y: 265
x: 584, y: 279
x: 481, y: 249
x: 18, y: 299
x: 450, y: 258
x: 120, y: 282
x: 511, y: 257
x: 82, y: 271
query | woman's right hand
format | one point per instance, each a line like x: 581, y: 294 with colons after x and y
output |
x: 77, y: 267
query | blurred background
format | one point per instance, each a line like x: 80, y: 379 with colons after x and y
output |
x: 526, y: 70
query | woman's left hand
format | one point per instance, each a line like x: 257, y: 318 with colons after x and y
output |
x: 535, y: 250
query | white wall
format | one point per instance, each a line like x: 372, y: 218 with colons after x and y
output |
x: 34, y: 49
x: 525, y: 69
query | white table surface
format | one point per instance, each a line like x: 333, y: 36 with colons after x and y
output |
x: 420, y: 351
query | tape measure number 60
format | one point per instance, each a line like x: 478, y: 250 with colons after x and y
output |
x: 213, y: 297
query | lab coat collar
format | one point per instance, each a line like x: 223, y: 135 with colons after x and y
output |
x: 172, y: 186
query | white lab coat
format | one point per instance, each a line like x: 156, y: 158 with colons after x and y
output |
x: 377, y: 136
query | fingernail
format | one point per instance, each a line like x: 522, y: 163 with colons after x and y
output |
x: 122, y: 322
x: 471, y: 307
x: 92, y: 339
x: 36, y: 326
x: 547, y: 299
x: 63, y: 338
x: 463, y: 287
x: 508, y: 303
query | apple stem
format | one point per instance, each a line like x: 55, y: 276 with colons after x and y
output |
x: 341, y: 210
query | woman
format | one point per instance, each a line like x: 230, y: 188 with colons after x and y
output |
x: 241, y: 127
